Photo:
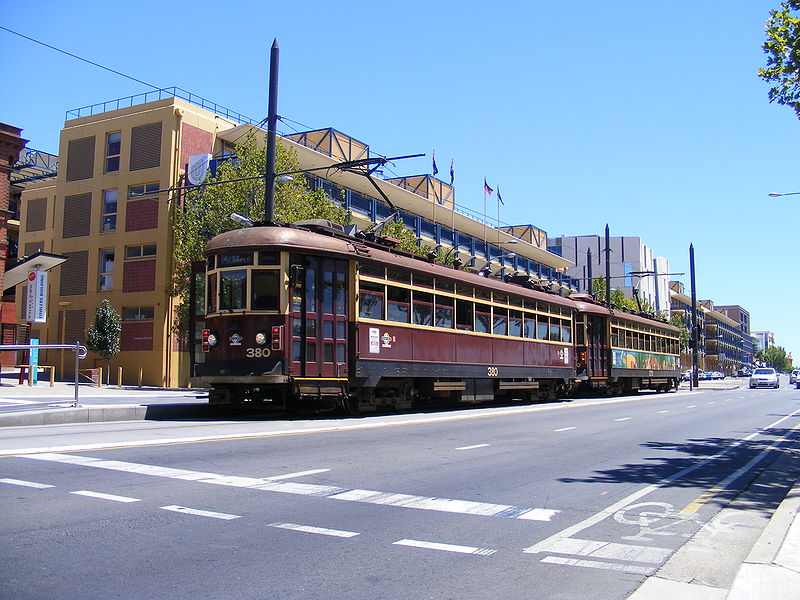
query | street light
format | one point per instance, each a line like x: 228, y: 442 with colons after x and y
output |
x: 778, y: 195
x: 63, y: 306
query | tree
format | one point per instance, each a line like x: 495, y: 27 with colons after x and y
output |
x: 782, y: 48
x: 103, y: 336
x: 775, y: 357
x: 683, y: 336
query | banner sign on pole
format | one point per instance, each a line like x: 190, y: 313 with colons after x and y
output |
x: 34, y: 361
x: 36, y: 301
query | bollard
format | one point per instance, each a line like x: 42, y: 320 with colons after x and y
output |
x: 100, y: 377
x: 141, y: 374
x: 119, y: 376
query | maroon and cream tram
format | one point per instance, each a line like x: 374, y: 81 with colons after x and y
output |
x: 307, y: 316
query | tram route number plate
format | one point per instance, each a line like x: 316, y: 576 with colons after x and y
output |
x: 257, y: 352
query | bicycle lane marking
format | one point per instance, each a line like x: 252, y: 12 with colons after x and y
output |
x: 563, y: 542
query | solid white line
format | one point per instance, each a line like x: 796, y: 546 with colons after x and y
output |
x: 200, y: 513
x: 30, y: 484
x: 661, y: 412
x: 317, y: 530
x: 692, y: 406
x: 21, y: 402
x: 564, y: 429
x: 105, y: 496
x: 545, y: 544
x: 448, y: 505
x: 596, y: 549
x: 445, y: 547
x: 596, y: 564
x: 298, y: 474
x: 472, y: 447
x: 623, y: 419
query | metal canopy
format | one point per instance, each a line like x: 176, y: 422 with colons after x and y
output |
x: 41, y: 261
x: 34, y: 165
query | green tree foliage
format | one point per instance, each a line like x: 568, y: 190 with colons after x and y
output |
x: 618, y: 298
x: 103, y: 336
x: 677, y: 321
x: 782, y: 48
x: 775, y: 357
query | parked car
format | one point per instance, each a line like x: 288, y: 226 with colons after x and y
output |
x: 765, y: 377
x: 794, y: 376
x: 706, y: 375
x: 744, y: 372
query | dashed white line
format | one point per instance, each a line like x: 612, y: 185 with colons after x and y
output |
x: 610, y: 550
x: 101, y: 496
x: 472, y: 447
x: 692, y: 406
x: 30, y: 484
x: 623, y: 419
x: 316, y: 530
x: 564, y: 429
x: 19, y: 402
x: 661, y: 412
x: 596, y: 564
x: 298, y: 474
x: 200, y: 513
x: 445, y: 547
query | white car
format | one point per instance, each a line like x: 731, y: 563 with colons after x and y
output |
x: 794, y: 376
x: 765, y: 377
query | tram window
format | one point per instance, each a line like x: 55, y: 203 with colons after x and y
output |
x: 423, y: 281
x: 327, y: 330
x: 341, y: 294
x: 515, y: 301
x: 445, y: 286
x: 372, y: 271
x: 515, y: 323
x: 341, y: 330
x: 212, y: 293
x: 370, y: 303
x: 311, y: 328
x: 269, y: 258
x: 542, y: 327
x: 397, y: 275
x: 579, y: 334
x: 529, y: 326
x: 530, y: 304
x: 629, y: 340
x: 311, y: 352
x: 297, y: 351
x: 565, y: 331
x: 423, y: 308
x: 501, y: 298
x: 311, y: 290
x: 265, y: 292
x: 555, y: 330
x: 614, y: 336
x: 500, y: 323
x: 235, y: 260
x: 327, y: 352
x: 211, y: 262
x: 483, y: 294
x: 200, y: 294
x: 340, y: 353
x: 483, y: 318
x: 297, y: 327
x: 327, y: 292
x: 463, y: 290
x: 397, y: 304
x: 232, y: 289
x: 444, y: 312
x: 464, y: 315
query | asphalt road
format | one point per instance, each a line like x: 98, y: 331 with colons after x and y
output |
x: 570, y: 500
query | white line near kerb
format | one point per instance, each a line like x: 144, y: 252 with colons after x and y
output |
x: 102, y: 496
x: 200, y: 513
x: 316, y: 530
x: 30, y: 484
x: 445, y: 547
x: 473, y: 447
x: 564, y: 429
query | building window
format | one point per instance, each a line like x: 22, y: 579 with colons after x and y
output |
x: 137, y: 313
x: 140, y: 191
x: 106, y: 269
x: 113, y: 145
x: 109, y: 218
x: 143, y: 251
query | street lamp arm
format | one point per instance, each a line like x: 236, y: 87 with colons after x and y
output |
x: 778, y: 195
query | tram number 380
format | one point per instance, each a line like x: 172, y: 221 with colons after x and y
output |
x: 257, y: 352
x: 492, y: 371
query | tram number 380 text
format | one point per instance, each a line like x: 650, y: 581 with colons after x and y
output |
x: 492, y: 371
x: 257, y: 352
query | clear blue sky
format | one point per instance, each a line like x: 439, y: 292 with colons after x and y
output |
x: 648, y: 116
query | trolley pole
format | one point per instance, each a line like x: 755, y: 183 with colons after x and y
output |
x: 589, y: 289
x: 272, y: 124
x: 608, y: 268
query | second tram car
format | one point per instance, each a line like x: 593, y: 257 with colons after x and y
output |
x: 307, y: 316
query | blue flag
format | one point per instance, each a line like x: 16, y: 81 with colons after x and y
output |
x: 435, y: 169
x: 486, y: 187
x: 498, y: 196
x: 452, y: 173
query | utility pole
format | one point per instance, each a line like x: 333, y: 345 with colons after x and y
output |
x: 272, y: 124
x: 695, y: 332
x: 608, y: 268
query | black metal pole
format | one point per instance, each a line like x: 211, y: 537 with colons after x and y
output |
x: 272, y: 124
x: 695, y: 332
x: 589, y: 270
x: 608, y: 268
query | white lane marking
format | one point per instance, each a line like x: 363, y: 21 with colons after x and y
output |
x: 712, y: 402
x: 545, y: 544
x: 564, y: 429
x: 692, y: 406
x: 298, y: 474
x: 200, y: 513
x: 661, y: 412
x: 623, y: 419
x: 30, y: 484
x: 316, y: 530
x: 445, y: 547
x: 611, y: 550
x: 472, y: 447
x: 596, y: 564
x: 20, y: 402
x: 448, y: 505
x: 105, y: 496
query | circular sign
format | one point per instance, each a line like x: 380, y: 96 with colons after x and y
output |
x: 31, y: 275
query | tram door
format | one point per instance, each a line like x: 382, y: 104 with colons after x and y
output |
x: 597, y: 350
x: 318, y: 317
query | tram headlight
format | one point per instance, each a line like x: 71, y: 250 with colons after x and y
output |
x: 261, y: 338
x: 212, y: 339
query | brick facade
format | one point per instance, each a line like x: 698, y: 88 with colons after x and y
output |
x: 139, y: 276
x: 136, y: 336
x: 141, y: 214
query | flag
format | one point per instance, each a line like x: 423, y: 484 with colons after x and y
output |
x: 452, y: 173
x: 499, y: 199
x: 486, y: 187
x: 435, y: 169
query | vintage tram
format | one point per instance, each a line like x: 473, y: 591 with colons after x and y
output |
x: 306, y: 315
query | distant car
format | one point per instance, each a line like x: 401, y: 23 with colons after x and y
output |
x: 706, y: 375
x: 743, y: 372
x: 686, y: 375
x: 794, y: 376
x: 717, y: 375
x: 765, y: 377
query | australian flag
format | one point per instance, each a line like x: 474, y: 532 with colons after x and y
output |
x: 486, y: 187
x: 435, y: 168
